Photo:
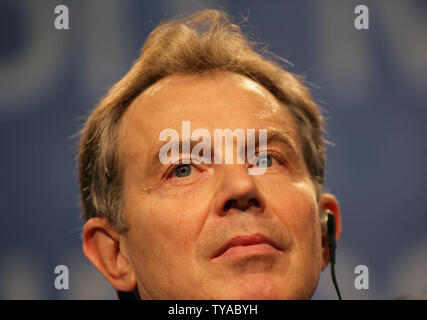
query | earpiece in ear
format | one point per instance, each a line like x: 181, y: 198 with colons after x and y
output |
x: 331, y: 228
x: 328, y: 230
x: 328, y: 226
x: 324, y: 223
x: 327, y: 222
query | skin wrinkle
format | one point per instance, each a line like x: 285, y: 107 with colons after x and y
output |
x: 174, y: 241
x: 247, y: 225
x: 149, y: 172
x: 151, y: 168
x: 275, y: 137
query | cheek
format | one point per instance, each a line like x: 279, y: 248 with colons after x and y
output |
x: 165, y: 230
x: 296, y: 207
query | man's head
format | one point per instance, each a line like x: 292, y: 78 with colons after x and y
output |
x: 164, y: 227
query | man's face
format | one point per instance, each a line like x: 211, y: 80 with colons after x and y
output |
x: 179, y: 218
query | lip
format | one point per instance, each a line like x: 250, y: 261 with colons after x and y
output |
x: 243, y: 244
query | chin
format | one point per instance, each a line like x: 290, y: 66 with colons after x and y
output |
x: 269, y: 290
x: 263, y: 294
x: 251, y: 288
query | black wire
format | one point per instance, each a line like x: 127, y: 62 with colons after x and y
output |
x: 334, y: 280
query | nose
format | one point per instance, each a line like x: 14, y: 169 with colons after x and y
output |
x: 238, y: 191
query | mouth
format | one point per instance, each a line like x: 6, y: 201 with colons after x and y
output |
x: 256, y: 243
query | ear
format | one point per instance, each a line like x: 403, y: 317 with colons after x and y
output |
x: 328, y: 201
x: 104, y: 246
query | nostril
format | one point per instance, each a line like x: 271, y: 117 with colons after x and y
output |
x: 230, y: 204
x: 253, y: 202
x: 233, y: 203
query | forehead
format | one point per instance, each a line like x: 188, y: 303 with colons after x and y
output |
x: 217, y: 101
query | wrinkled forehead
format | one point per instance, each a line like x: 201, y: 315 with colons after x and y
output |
x: 217, y: 101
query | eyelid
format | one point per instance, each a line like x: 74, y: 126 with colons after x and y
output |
x: 169, y: 172
x: 277, y: 155
x: 281, y: 157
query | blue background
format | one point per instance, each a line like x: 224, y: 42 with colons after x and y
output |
x: 371, y: 83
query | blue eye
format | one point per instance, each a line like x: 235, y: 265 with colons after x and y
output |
x: 183, y: 170
x: 265, y: 162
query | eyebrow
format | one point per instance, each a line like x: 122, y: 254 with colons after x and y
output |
x: 153, y: 156
x: 274, y: 135
x: 282, y: 137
